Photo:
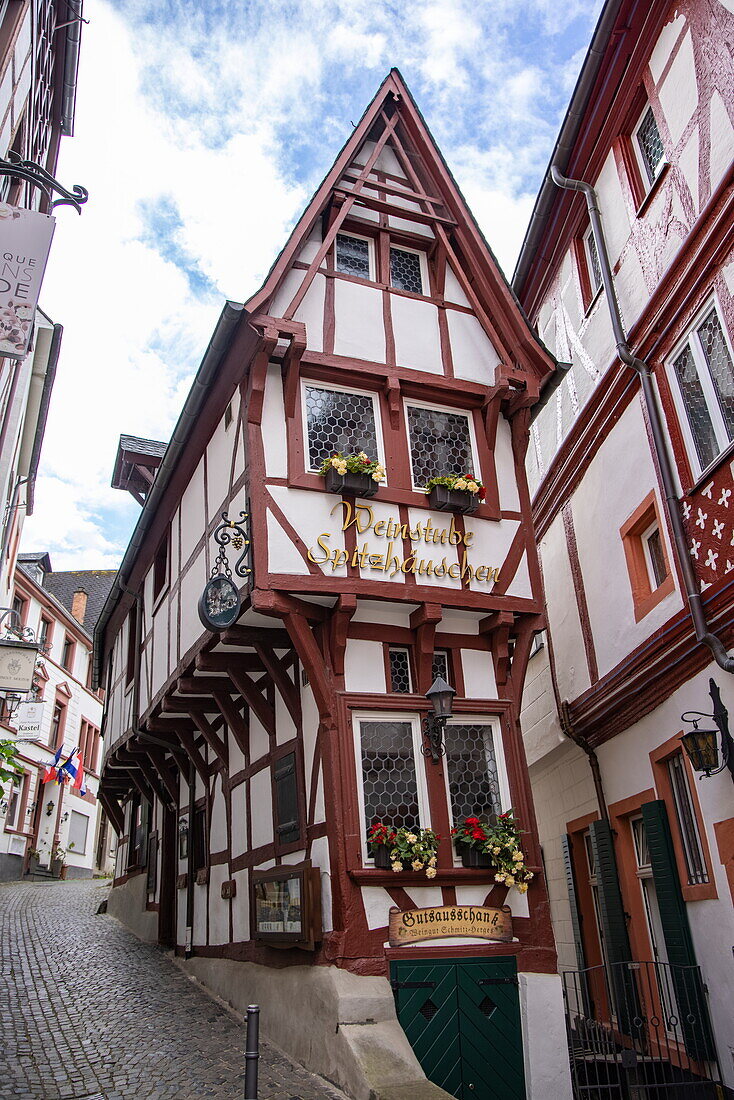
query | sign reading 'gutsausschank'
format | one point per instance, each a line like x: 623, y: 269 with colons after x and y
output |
x: 391, y: 561
x: 477, y: 921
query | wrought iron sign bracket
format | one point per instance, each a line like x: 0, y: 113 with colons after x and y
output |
x: 220, y: 603
x: 37, y: 176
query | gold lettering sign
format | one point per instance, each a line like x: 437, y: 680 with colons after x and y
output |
x: 391, y: 562
x: 412, y: 925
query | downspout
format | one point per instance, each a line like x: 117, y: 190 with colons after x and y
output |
x: 672, y: 503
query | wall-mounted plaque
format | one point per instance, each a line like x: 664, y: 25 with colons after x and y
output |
x: 220, y: 604
x: 413, y: 925
x: 286, y: 906
x: 17, y: 665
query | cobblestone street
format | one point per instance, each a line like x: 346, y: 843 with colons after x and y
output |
x: 90, y: 1013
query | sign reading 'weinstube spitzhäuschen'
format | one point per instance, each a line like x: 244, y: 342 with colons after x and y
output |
x: 25, y: 242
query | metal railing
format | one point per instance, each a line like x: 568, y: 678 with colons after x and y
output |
x: 639, y: 1031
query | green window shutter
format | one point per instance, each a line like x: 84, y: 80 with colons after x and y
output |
x: 614, y: 925
x: 288, y: 825
x: 578, y: 942
x: 686, y: 977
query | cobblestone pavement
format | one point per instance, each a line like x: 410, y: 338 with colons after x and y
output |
x: 90, y: 1013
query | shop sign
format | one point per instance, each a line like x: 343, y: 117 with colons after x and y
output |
x: 478, y: 921
x: 28, y: 719
x: 387, y: 556
x: 25, y: 242
x: 17, y: 665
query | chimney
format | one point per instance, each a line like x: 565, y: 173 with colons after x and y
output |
x: 79, y: 605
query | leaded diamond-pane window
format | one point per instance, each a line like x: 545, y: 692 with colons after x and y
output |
x: 405, y: 270
x: 339, y: 421
x: 705, y: 376
x: 352, y: 256
x: 440, y: 666
x: 593, y: 259
x: 650, y: 145
x: 400, y: 670
x: 388, y: 773
x: 472, y: 770
x: 440, y: 444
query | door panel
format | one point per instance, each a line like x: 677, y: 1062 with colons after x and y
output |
x: 462, y: 1019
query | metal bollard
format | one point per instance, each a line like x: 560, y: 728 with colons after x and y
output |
x: 252, y: 1053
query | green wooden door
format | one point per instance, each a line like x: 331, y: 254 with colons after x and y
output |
x: 462, y: 1019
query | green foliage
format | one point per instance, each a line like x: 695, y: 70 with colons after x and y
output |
x: 9, y: 767
x: 410, y: 849
x: 467, y: 482
x: 501, y: 842
x: 354, y: 464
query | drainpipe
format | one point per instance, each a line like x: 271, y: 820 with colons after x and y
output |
x: 672, y: 503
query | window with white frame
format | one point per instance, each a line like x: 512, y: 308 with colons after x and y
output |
x: 441, y: 444
x: 652, y: 546
x: 339, y: 421
x: 687, y: 821
x: 592, y: 261
x: 472, y: 771
x: 705, y: 383
x: 13, y: 799
x: 406, y: 270
x: 354, y: 255
x: 391, y: 788
x: 649, y: 146
x: 400, y: 679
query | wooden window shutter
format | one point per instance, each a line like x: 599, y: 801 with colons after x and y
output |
x: 287, y: 824
x: 573, y: 903
x: 614, y: 925
x: 686, y: 977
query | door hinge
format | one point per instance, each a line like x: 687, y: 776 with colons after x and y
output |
x: 411, y: 985
x: 497, y: 981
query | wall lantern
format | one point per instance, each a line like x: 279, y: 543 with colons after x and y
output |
x: 440, y: 694
x: 701, y: 744
x: 50, y: 808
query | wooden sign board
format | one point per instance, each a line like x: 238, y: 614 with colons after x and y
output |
x: 412, y: 925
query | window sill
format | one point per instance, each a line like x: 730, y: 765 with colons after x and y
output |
x: 711, y: 469
x: 653, y: 190
x: 387, y: 494
x: 594, y: 299
x: 644, y: 605
x: 445, y: 876
x: 702, y: 891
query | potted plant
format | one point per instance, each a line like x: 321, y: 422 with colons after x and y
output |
x: 404, y: 849
x: 58, y: 866
x: 455, y: 494
x: 500, y: 842
x: 34, y: 857
x: 355, y: 474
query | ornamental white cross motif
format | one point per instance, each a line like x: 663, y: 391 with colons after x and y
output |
x: 718, y: 529
x: 711, y: 559
x: 707, y: 491
x: 724, y: 498
x: 702, y: 517
x: 686, y: 510
x: 695, y: 547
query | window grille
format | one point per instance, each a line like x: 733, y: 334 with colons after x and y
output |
x: 400, y: 670
x: 440, y: 666
x: 650, y: 145
x: 594, y: 266
x: 339, y: 421
x: 405, y: 271
x: 472, y: 771
x: 388, y: 773
x: 440, y: 444
x: 352, y: 256
x: 687, y: 822
x: 705, y: 377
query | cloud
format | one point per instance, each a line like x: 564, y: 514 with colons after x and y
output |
x: 202, y: 129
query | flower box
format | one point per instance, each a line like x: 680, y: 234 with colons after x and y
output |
x: 444, y: 499
x: 472, y: 857
x: 382, y: 857
x: 349, y: 484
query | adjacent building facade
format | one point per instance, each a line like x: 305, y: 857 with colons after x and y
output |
x: 245, y: 763
x: 630, y: 468
x: 47, y: 825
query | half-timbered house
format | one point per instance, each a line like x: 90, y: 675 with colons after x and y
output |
x: 246, y: 762
x: 630, y: 466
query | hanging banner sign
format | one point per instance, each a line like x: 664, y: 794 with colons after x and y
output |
x: 25, y: 242
x: 478, y: 921
x: 28, y: 719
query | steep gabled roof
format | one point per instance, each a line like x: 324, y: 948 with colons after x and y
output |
x: 393, y: 119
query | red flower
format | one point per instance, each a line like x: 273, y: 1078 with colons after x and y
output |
x: 472, y: 821
x: 478, y: 834
x: 482, y: 493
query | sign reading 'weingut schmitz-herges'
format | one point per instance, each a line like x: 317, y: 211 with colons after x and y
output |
x: 25, y: 242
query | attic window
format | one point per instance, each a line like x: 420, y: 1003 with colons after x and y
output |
x: 405, y: 270
x: 353, y: 255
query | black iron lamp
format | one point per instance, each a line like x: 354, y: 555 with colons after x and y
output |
x: 441, y: 697
x: 50, y: 808
x: 701, y: 744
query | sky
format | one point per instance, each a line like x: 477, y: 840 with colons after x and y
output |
x: 202, y: 129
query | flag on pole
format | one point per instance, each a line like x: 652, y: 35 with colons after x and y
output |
x: 79, y: 783
x: 70, y: 767
x: 50, y: 772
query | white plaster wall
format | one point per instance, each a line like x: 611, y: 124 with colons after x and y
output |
x: 478, y: 670
x: 239, y: 819
x: 520, y: 584
x: 285, y: 729
x: 474, y: 356
x: 192, y: 513
x: 377, y: 905
x: 722, y: 140
x: 679, y: 91
x: 320, y: 859
x: 283, y: 556
x: 261, y: 808
x: 364, y: 667
x: 310, y: 514
x: 201, y: 909
x: 241, y: 908
x: 505, y: 465
x: 665, y: 42
x: 563, y: 615
x: 547, y: 1070
x: 259, y: 741
x: 273, y: 428
x: 380, y: 512
x: 360, y: 329
x: 192, y: 585
x: 601, y: 504
x: 615, y: 218
x: 490, y: 545
x: 160, y: 646
x: 218, y: 825
x: 452, y: 291
x: 417, y: 338
x: 539, y: 717
x: 218, y: 463
x: 218, y: 906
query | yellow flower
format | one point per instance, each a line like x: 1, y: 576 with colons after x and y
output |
x: 335, y: 461
x: 529, y: 875
x: 472, y: 486
x: 522, y: 887
x: 499, y: 877
x: 417, y: 865
x: 432, y: 861
x: 397, y: 866
x: 376, y: 476
x: 518, y: 856
x: 341, y: 468
x: 431, y: 872
x: 495, y: 851
x: 411, y: 838
x: 362, y: 455
x: 460, y: 483
x: 509, y: 880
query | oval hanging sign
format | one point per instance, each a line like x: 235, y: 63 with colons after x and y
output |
x: 220, y: 604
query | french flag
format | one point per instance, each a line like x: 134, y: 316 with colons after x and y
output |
x: 70, y: 768
x: 79, y: 783
x: 50, y: 772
